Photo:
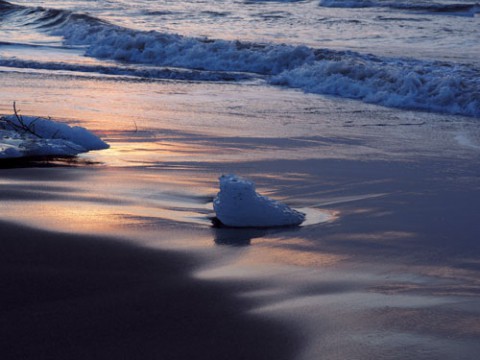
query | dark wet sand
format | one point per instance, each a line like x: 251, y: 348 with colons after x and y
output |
x: 76, y: 297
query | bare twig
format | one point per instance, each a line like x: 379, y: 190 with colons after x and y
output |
x: 54, y: 136
x: 136, y: 127
x: 26, y: 128
x: 21, y: 125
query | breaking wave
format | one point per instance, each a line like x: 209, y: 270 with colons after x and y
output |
x: 404, y: 83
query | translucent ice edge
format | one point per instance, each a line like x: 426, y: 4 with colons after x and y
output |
x: 239, y: 205
x: 33, y: 137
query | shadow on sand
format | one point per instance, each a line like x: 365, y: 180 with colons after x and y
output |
x: 76, y: 297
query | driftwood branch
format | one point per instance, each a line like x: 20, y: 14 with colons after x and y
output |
x: 21, y: 126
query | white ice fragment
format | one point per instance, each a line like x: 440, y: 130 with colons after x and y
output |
x: 239, y: 205
x: 29, y: 136
x: 49, y: 129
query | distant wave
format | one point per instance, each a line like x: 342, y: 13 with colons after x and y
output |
x: 5, y: 5
x: 42, y: 18
x: 464, y: 9
x: 403, y: 83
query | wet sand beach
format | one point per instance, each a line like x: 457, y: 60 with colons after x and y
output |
x: 112, y: 254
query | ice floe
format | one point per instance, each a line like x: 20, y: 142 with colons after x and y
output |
x: 239, y: 205
x: 26, y: 136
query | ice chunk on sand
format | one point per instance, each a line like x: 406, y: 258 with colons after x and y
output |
x: 239, y: 205
x: 25, y: 136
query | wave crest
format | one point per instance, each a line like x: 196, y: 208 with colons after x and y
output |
x: 406, y: 84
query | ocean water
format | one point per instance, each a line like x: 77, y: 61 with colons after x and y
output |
x: 365, y: 112
x: 407, y: 54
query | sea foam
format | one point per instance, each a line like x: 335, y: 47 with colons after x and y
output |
x: 407, y: 84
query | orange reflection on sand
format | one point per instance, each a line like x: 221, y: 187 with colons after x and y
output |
x: 64, y: 216
x: 94, y: 219
x: 102, y: 106
x: 290, y: 251
x: 114, y: 201
x: 146, y: 153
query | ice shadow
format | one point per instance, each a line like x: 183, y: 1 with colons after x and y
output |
x: 46, y: 162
